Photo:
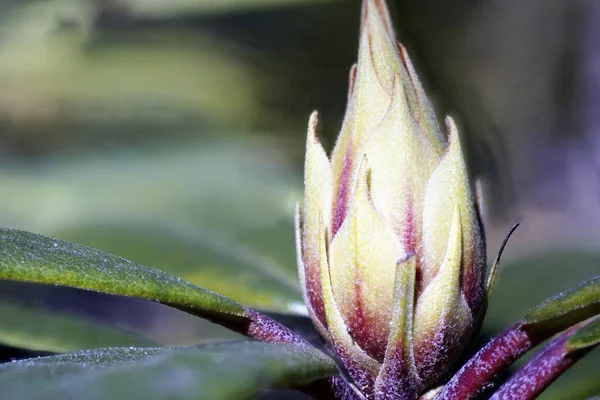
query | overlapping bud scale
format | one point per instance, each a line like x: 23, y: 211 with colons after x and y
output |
x: 391, y: 251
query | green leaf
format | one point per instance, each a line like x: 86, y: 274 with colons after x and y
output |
x: 567, y: 308
x: 223, y: 266
x: 36, y: 328
x: 212, y: 372
x: 28, y: 257
x: 585, y: 337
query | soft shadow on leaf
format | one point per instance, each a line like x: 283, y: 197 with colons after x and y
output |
x: 154, y: 321
x: 27, y: 326
x: 224, y: 371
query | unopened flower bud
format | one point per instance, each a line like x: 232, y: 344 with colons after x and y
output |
x: 391, y: 248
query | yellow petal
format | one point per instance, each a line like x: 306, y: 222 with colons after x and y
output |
x: 363, y: 259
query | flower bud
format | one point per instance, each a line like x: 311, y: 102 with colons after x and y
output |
x: 390, y: 246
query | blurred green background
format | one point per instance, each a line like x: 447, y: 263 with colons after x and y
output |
x: 172, y: 133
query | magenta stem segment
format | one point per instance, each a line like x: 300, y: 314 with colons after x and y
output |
x: 262, y: 328
x: 482, y: 369
x: 265, y: 329
x: 542, y: 370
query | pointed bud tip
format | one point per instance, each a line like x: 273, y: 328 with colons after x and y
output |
x: 379, y: 9
x: 313, y: 123
x: 453, y: 136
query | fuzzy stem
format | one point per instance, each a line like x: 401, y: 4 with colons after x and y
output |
x: 483, y: 368
x: 542, y: 370
x: 265, y: 329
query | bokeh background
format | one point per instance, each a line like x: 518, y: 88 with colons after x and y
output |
x: 172, y: 133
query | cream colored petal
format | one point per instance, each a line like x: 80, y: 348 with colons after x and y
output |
x: 363, y: 258
x: 401, y: 161
x: 423, y: 106
x: 398, y: 377
x: 442, y: 317
x: 317, y: 205
x: 362, y: 368
x: 442, y: 297
x: 370, y: 97
x: 449, y: 186
x: 380, y: 8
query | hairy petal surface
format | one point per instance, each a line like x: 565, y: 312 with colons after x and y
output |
x: 363, y: 256
x: 317, y: 209
x: 442, y: 317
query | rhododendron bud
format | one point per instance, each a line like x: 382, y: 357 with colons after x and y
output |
x: 391, y: 248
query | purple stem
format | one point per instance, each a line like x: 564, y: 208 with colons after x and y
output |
x: 542, y: 370
x: 482, y: 369
x: 265, y: 329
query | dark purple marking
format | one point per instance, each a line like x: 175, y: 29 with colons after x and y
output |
x: 314, y: 291
x: 472, y: 280
x: 361, y: 326
x: 341, y: 205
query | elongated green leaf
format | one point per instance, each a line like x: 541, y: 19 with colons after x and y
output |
x: 222, y: 265
x: 34, y: 258
x: 212, y: 372
x: 36, y: 328
x: 570, y: 307
x: 585, y: 337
